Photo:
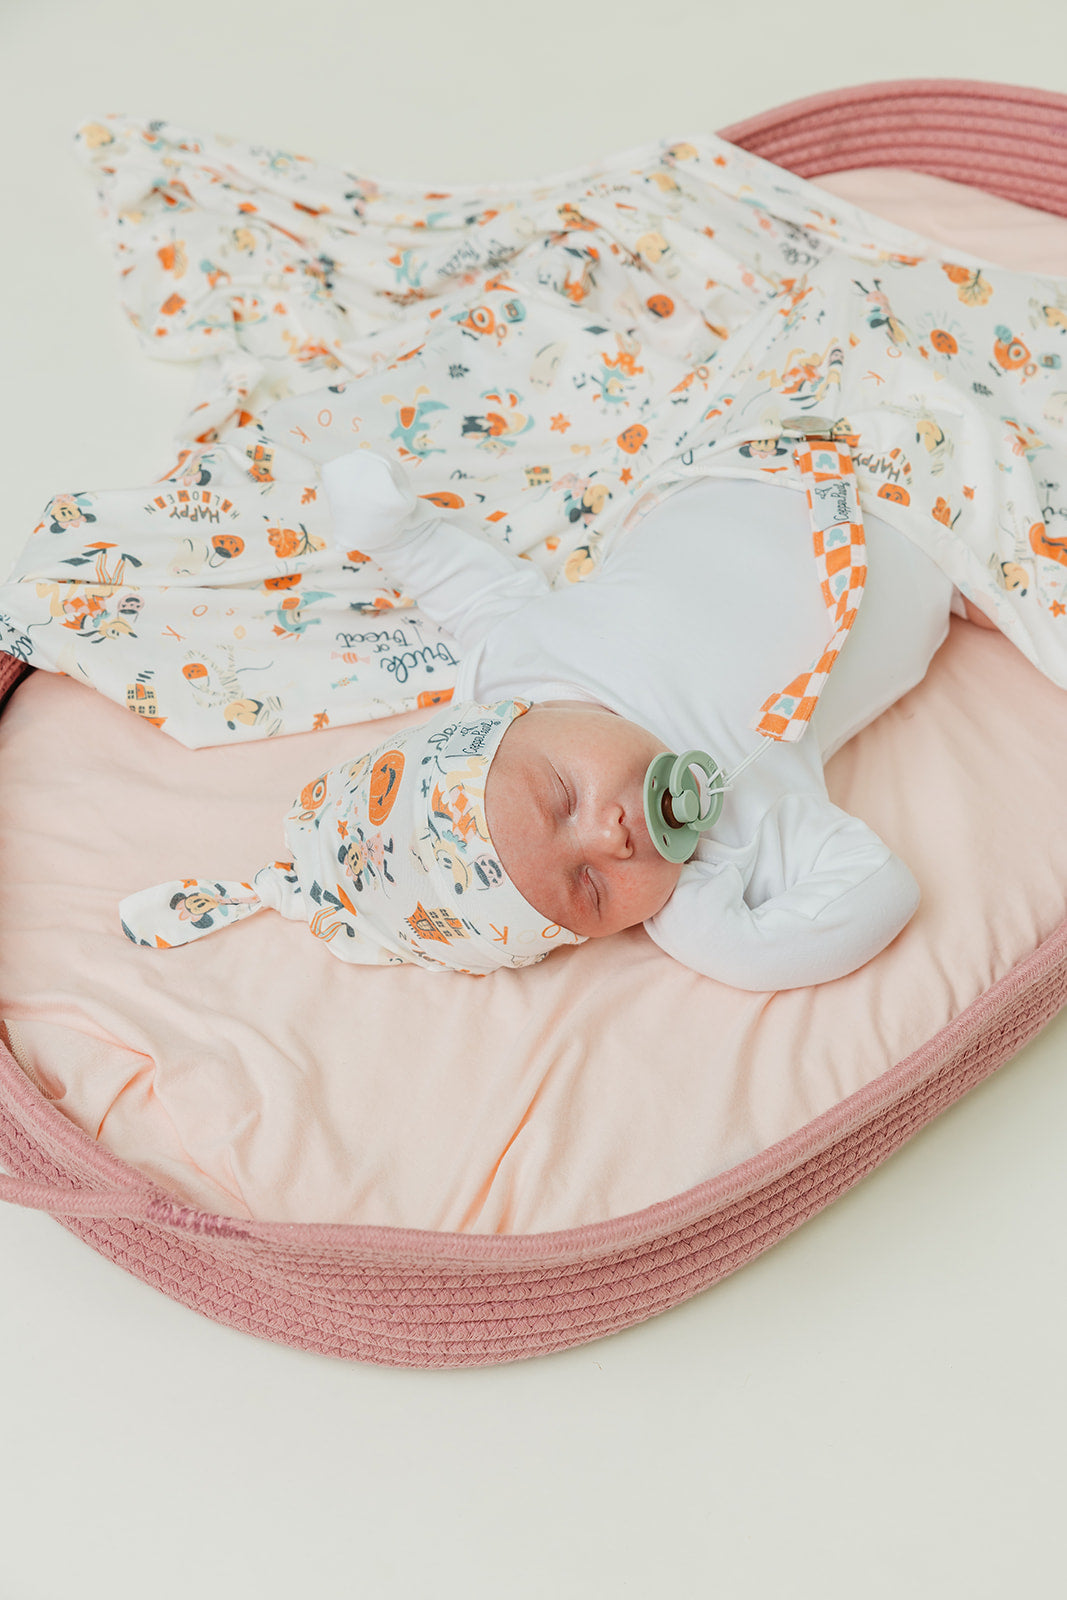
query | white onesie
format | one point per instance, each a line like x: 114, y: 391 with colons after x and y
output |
x: 700, y: 612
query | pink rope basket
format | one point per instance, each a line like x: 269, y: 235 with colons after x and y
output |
x: 417, y: 1298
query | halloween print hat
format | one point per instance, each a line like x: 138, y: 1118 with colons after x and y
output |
x: 388, y: 859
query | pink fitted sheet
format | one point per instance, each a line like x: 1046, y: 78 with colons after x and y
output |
x: 254, y: 1074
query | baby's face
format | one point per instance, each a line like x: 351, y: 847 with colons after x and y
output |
x: 564, y: 804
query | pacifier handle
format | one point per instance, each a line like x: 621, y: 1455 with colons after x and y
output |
x: 668, y: 779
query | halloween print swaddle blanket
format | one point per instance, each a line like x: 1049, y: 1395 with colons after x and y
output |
x: 547, y: 360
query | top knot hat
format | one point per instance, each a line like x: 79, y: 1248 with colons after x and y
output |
x: 389, y: 861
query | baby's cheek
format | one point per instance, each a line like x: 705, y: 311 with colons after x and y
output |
x: 638, y: 895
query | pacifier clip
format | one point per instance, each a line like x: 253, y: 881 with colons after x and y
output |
x: 674, y: 811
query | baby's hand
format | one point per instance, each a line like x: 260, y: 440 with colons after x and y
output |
x: 369, y: 496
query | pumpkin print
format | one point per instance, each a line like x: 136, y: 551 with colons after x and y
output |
x: 384, y: 785
x: 895, y: 492
x: 661, y: 305
x: 227, y: 544
x: 632, y: 438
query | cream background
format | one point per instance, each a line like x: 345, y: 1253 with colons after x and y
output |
x: 874, y: 1408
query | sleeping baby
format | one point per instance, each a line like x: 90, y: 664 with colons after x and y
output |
x: 517, y: 818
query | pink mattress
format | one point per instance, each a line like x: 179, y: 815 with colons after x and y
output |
x: 254, y: 1077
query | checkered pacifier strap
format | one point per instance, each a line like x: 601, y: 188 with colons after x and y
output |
x: 827, y: 472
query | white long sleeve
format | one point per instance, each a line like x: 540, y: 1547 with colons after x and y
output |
x: 848, y: 896
x: 460, y: 581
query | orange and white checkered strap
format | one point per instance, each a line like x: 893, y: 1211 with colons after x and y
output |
x: 826, y: 469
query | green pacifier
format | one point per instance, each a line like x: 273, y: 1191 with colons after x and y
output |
x: 672, y: 802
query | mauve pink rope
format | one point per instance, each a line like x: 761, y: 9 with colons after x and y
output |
x: 1002, y: 138
x: 127, y: 1202
x: 134, y: 1202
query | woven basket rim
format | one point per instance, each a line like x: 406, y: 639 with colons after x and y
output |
x: 893, y: 92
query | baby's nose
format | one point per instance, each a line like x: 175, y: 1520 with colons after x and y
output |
x: 613, y: 834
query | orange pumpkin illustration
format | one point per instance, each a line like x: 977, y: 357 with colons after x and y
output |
x: 632, y: 438
x: 228, y: 544
x: 384, y: 785
x: 661, y: 304
x: 445, y: 499
x: 943, y: 341
x: 288, y: 580
x: 193, y: 671
x: 895, y: 492
x: 171, y: 304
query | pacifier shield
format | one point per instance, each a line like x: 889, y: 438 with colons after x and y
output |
x: 669, y: 780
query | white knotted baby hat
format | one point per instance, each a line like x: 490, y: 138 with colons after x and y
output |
x: 388, y: 859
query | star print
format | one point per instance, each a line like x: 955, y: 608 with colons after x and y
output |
x: 560, y: 423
